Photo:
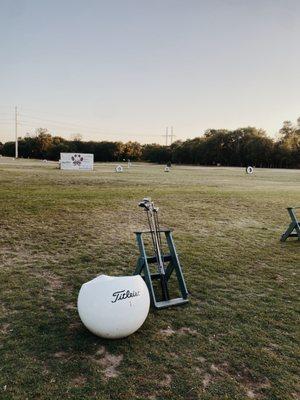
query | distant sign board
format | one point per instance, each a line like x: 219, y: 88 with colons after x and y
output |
x: 77, y: 161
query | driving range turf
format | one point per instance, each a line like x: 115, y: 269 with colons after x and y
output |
x: 236, y: 339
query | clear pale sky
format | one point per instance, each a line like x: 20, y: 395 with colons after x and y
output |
x: 126, y: 69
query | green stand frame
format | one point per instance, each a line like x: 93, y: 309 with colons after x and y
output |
x: 294, y: 225
x: 143, y: 269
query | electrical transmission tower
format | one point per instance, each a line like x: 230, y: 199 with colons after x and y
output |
x: 168, y: 135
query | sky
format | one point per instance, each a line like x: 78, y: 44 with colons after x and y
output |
x: 127, y: 69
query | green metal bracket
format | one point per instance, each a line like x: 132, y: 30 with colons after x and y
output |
x: 172, y: 259
x: 293, y: 229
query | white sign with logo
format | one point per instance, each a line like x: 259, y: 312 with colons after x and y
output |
x: 77, y: 161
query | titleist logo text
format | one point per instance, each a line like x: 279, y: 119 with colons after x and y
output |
x: 124, y: 294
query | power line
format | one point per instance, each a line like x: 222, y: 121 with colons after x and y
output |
x: 27, y: 120
x: 87, y: 132
x: 28, y: 125
x: 72, y: 126
x: 35, y: 112
x: 63, y: 123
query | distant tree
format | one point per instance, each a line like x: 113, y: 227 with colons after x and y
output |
x: 8, y: 149
x: 27, y: 146
x: 254, y: 147
x: 175, y: 150
x: 55, y: 150
x: 107, y: 151
x: 59, y: 145
x: 156, y: 153
x: 287, y: 153
x: 215, y: 149
x: 191, y: 151
x: 239, y: 147
x: 287, y: 130
x: 44, y: 142
x: 132, y: 151
x: 77, y: 137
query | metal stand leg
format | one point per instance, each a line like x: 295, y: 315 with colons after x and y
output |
x: 294, y: 226
x: 143, y: 269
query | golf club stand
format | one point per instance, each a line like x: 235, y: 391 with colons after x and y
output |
x: 170, y: 259
x: 293, y: 229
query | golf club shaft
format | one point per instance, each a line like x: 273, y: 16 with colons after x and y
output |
x: 158, y: 230
x: 157, y: 248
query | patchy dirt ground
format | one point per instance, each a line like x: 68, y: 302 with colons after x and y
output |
x: 236, y: 339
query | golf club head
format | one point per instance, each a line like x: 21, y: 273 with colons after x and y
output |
x: 146, y: 203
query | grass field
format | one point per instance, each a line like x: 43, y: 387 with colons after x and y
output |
x: 236, y: 339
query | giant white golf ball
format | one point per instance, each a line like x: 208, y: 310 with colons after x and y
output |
x: 113, y: 307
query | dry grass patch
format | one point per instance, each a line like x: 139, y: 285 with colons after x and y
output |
x: 5, y: 329
x: 181, y: 331
x: 74, y: 326
x: 78, y: 381
x: 206, y: 381
x: 167, y: 332
x: 166, y: 382
x: 109, y: 362
x: 61, y: 355
x: 54, y: 283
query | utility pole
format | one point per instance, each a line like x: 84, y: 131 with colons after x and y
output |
x: 167, y: 134
x: 16, y: 131
x: 172, y: 135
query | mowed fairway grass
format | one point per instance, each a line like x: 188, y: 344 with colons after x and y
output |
x: 236, y: 339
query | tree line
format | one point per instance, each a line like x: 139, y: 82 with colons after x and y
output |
x: 239, y: 147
